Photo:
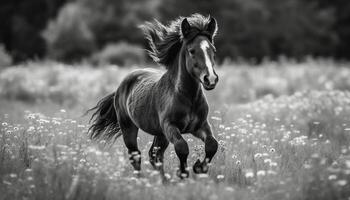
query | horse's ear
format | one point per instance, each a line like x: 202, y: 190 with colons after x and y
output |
x: 185, y: 27
x: 212, y: 27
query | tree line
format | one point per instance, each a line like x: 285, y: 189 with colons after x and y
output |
x: 72, y: 30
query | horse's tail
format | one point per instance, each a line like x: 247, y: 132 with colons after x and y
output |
x: 104, y: 120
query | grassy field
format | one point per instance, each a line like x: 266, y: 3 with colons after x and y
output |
x: 283, y: 129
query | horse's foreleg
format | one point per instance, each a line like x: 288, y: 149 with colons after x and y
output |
x: 156, y: 152
x: 173, y: 134
x: 130, y: 140
x: 211, y: 146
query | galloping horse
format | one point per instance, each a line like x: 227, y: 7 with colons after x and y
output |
x: 165, y: 105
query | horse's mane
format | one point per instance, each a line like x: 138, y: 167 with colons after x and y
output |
x: 166, y: 41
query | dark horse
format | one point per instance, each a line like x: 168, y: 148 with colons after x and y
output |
x: 168, y: 104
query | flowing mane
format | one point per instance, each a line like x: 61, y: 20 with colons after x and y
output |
x: 166, y: 41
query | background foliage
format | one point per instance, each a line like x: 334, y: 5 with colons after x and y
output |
x: 251, y: 29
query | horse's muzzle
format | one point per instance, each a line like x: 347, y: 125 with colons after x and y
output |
x: 208, y: 83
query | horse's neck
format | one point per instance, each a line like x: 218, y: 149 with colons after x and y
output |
x: 184, y: 83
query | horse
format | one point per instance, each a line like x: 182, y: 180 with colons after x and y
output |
x: 165, y: 104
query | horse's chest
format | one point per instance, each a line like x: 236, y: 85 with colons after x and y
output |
x: 191, y: 123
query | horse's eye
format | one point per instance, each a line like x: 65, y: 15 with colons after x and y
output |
x: 191, y: 51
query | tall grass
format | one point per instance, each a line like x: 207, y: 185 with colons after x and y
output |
x: 294, y: 146
x: 239, y: 82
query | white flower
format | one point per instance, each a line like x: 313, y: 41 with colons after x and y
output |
x: 342, y: 182
x: 249, y: 174
x: 261, y: 173
x: 332, y: 177
x: 220, y: 176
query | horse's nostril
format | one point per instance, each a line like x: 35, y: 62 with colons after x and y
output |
x: 206, y: 80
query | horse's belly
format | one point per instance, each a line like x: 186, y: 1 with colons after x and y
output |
x: 142, y: 111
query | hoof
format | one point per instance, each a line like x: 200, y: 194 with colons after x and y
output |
x: 200, y: 167
x: 182, y: 174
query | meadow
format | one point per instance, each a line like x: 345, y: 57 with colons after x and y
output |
x: 283, y: 130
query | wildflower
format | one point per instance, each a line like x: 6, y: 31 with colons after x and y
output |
x: 249, y: 174
x: 167, y: 176
x: 332, y: 177
x: 202, y: 176
x: 36, y: 147
x: 347, y: 163
x: 258, y: 155
x: 4, y: 124
x: 31, y: 128
x: 28, y: 170
x: 62, y: 110
x: 343, y: 151
x: 272, y: 150
x: 261, y: 173
x: 342, y: 182
x: 13, y: 175
x: 307, y: 166
x: 216, y: 118
x: 273, y: 164
x: 238, y: 162
x: 220, y: 176
x: 6, y: 183
x: 31, y: 116
x: 222, y: 143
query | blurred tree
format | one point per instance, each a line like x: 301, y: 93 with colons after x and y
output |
x: 255, y: 29
x: 101, y: 22
x: 114, y: 20
x: 21, y: 23
x: 251, y: 29
x: 341, y: 25
x: 68, y: 37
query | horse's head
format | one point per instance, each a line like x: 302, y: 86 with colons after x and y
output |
x: 200, y: 53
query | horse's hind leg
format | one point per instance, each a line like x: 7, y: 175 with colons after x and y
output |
x: 130, y: 131
x: 211, y: 146
x: 156, y: 152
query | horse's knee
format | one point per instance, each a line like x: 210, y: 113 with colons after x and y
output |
x: 211, y: 146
